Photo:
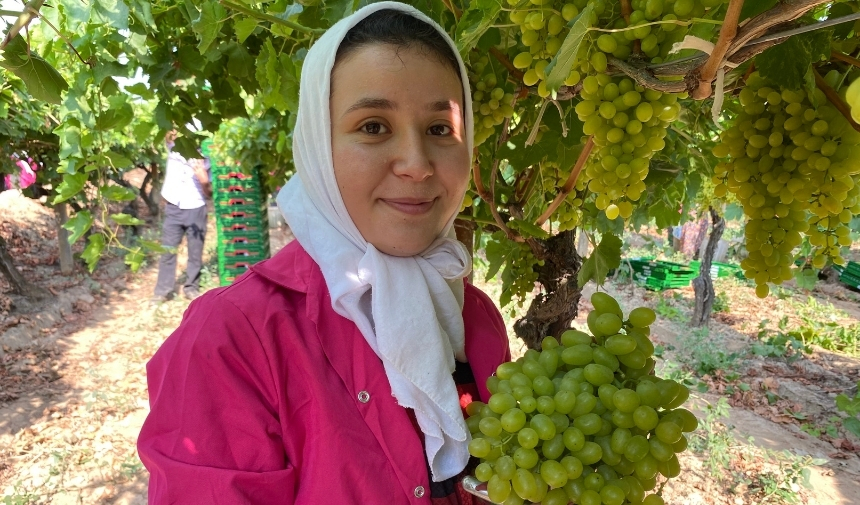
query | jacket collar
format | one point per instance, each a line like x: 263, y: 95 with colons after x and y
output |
x: 292, y: 267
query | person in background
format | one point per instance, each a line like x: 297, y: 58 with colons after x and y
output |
x: 186, y: 187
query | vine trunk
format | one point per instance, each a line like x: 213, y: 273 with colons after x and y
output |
x: 703, y: 285
x: 551, y: 311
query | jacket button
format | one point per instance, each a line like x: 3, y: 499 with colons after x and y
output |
x: 419, y: 491
x: 364, y: 397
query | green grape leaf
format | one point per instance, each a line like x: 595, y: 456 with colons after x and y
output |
x: 276, y: 74
x: 190, y: 59
x: 142, y: 10
x: 244, y: 28
x: 140, y: 90
x: 70, y: 142
x: 787, y: 63
x: 118, y: 160
x: 110, y: 12
x: 134, y: 258
x: 240, y: 63
x: 753, y: 8
x: 850, y: 406
x: 806, y: 278
x: 208, y: 25
x: 152, y: 246
x: 115, y: 119
x: 605, y: 257
x: 559, y: 68
x: 852, y: 424
x: 126, y: 220
x: 163, y: 117
x: 142, y: 131
x: 499, y: 250
x: 93, y: 252
x: 78, y: 225
x: 72, y: 185
x: 529, y: 228
x: 335, y: 10
x: 477, y: 19
x: 117, y: 193
x: 42, y: 80
x: 77, y: 12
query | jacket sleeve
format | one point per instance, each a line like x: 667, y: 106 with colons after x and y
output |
x: 213, y: 434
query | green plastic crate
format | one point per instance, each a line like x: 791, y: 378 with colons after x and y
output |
x: 231, y: 191
x: 230, y: 216
x: 225, y: 200
x: 235, y: 178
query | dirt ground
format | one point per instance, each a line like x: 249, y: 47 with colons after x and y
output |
x: 72, y: 399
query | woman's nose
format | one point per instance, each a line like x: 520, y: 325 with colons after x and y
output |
x: 412, y: 159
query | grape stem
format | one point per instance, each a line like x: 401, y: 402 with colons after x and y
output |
x: 708, y: 72
x: 503, y: 59
x: 453, y: 8
x: 570, y: 184
x: 836, y: 55
x: 491, y: 197
x: 31, y: 12
x: 272, y: 19
x: 835, y: 99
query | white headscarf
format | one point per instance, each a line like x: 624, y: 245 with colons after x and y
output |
x: 409, y: 309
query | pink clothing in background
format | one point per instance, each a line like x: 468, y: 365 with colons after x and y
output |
x: 265, y: 395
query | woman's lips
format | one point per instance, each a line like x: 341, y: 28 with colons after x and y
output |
x: 410, y: 206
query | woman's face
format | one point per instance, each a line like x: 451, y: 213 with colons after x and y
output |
x: 398, y: 144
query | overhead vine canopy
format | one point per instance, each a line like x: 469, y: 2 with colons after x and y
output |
x: 590, y: 114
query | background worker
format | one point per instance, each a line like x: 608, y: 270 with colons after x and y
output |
x: 186, y: 187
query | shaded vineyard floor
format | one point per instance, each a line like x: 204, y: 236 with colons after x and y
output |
x: 73, y: 400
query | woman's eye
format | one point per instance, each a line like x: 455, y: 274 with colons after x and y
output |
x: 373, y: 128
x: 440, y: 129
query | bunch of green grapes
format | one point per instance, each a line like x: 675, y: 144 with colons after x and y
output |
x: 794, y: 168
x: 627, y: 121
x: 521, y: 266
x: 628, y: 124
x: 491, y: 102
x: 542, y: 28
x: 852, y: 96
x: 583, y: 420
x: 568, y: 215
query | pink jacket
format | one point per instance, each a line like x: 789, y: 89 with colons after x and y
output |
x: 265, y: 395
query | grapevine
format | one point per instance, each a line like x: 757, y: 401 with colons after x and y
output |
x: 582, y: 420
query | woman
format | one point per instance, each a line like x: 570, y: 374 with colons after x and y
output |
x: 335, y: 372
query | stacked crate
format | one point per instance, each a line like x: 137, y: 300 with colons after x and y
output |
x: 720, y: 269
x: 659, y: 275
x: 241, y: 218
x: 850, y: 274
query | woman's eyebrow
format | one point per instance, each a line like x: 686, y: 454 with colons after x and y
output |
x: 443, y: 106
x: 385, y: 104
x: 372, y: 103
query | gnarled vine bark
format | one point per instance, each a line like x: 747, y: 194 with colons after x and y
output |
x: 703, y: 285
x: 551, y: 311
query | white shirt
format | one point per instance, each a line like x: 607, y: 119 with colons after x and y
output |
x: 181, y: 187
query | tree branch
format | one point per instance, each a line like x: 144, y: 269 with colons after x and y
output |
x: 835, y: 99
x: 570, y: 184
x: 708, y: 72
x: 30, y: 12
